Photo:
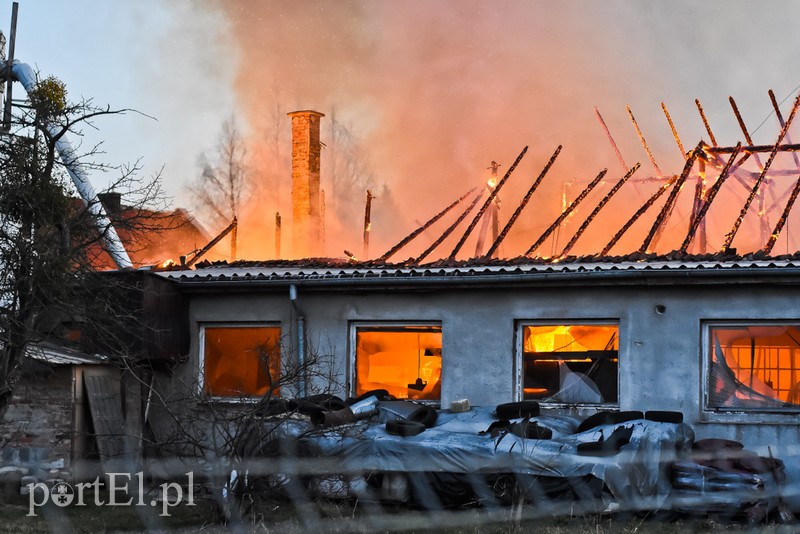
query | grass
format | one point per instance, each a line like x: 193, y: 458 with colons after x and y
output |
x: 330, y: 516
x: 90, y: 518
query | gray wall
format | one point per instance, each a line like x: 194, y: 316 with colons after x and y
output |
x: 661, y: 361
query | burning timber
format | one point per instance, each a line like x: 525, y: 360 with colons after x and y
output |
x: 597, y: 209
x: 523, y: 203
x: 566, y: 213
x: 391, y: 252
x: 492, y: 196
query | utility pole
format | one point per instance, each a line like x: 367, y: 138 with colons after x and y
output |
x: 367, y: 223
x: 7, y: 76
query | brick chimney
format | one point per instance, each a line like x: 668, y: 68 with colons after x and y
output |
x: 305, y: 183
x: 111, y: 201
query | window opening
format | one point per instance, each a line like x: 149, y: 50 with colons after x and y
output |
x: 241, y: 361
x: 754, y: 366
x: 570, y: 363
x: 405, y: 360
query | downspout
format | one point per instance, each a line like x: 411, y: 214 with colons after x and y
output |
x: 111, y: 241
x: 301, y: 337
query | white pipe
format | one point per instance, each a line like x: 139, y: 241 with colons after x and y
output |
x: 111, y: 241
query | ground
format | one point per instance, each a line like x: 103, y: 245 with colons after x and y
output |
x: 328, y: 516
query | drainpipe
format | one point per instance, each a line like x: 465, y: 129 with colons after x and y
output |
x: 24, y: 74
x: 301, y: 343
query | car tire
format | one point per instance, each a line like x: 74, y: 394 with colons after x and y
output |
x: 402, y: 427
x: 515, y: 410
x: 531, y: 430
x: 382, y: 394
x: 663, y: 416
x: 426, y: 415
x: 717, y: 444
x: 608, y: 417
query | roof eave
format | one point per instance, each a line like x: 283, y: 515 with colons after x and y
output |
x: 473, y: 279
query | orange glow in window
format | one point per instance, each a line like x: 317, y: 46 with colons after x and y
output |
x: 571, y: 363
x: 764, y: 361
x: 236, y: 360
x: 406, y: 361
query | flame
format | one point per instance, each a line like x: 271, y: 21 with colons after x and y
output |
x: 550, y: 341
x: 491, y: 183
x: 569, y: 338
x: 382, y: 111
x: 166, y: 263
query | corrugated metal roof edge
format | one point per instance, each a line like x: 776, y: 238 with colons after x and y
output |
x: 641, y: 272
x: 60, y: 355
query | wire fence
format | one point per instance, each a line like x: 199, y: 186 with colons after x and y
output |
x: 358, y: 477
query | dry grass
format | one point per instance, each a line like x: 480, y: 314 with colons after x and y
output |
x: 328, y: 516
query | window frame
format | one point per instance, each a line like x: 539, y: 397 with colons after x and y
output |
x: 705, y: 349
x: 519, y: 358
x: 201, y: 344
x: 353, y: 327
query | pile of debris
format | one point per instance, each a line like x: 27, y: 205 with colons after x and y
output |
x: 382, y: 449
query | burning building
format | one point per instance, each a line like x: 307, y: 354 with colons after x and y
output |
x: 712, y: 335
x: 150, y: 237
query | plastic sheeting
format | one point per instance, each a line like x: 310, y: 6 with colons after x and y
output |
x: 700, y: 487
x: 637, y: 471
x: 727, y: 390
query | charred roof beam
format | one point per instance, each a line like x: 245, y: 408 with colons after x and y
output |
x: 610, y: 139
x: 646, y: 206
x: 764, y: 218
x: 566, y: 213
x: 202, y: 252
x: 674, y: 132
x: 450, y: 229
x: 664, y: 215
x: 644, y: 143
x: 746, y: 133
x: 712, y: 193
x: 410, y: 237
x: 737, y: 224
x: 486, y: 204
x: 522, y: 204
x: 597, y: 209
x: 782, y: 221
x: 778, y: 114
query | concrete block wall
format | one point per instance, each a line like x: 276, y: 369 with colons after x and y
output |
x: 661, y: 353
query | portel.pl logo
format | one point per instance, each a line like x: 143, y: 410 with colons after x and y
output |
x: 63, y: 494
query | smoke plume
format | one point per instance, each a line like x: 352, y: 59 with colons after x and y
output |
x: 420, y: 97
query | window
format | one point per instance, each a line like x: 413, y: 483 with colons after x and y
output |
x: 753, y: 366
x: 240, y: 361
x: 405, y: 360
x: 570, y: 363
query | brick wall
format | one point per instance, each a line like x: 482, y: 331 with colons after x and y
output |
x: 305, y: 183
x: 39, y: 416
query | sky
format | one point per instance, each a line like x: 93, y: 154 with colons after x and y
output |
x: 429, y: 92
